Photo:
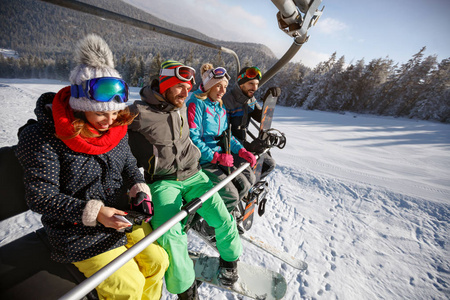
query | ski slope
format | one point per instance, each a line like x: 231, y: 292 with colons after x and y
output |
x: 364, y: 200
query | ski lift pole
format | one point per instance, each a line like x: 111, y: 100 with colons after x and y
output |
x: 92, y: 282
x: 100, y: 12
x: 228, y: 145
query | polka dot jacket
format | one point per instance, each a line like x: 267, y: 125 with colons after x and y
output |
x: 59, y: 183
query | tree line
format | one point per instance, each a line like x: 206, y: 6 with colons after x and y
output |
x: 44, y: 35
x: 418, y: 89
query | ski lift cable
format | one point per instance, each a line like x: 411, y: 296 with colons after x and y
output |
x: 100, y: 12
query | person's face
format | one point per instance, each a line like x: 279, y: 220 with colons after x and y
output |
x: 101, y: 120
x: 250, y: 87
x: 177, y: 94
x: 217, y: 91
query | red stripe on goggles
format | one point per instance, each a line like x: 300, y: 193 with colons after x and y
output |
x: 184, y: 73
x: 102, y: 89
x: 251, y: 73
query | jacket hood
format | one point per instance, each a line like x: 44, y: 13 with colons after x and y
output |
x: 152, y: 97
x: 43, y: 110
x: 239, y: 95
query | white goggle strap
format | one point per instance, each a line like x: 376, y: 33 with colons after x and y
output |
x: 167, y: 72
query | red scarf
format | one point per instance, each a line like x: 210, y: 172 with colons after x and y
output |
x: 63, y: 117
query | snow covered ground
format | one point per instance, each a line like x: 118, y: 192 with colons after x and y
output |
x: 365, y: 200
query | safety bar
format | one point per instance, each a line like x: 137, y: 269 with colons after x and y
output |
x: 90, y: 283
x: 100, y: 12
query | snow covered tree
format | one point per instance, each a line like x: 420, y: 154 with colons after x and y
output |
x: 352, y: 89
x: 404, y: 85
x: 369, y: 85
x: 434, y: 102
x: 316, y: 84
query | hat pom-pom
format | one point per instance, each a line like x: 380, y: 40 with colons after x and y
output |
x: 94, y: 52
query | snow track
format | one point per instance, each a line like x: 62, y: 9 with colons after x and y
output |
x: 364, y: 200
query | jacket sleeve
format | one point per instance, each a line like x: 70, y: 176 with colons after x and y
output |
x: 235, y: 145
x: 140, y: 147
x: 130, y: 173
x: 195, y: 120
x: 41, y: 166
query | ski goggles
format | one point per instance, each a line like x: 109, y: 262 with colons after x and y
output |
x: 216, y: 73
x: 102, y: 89
x: 184, y: 73
x: 251, y: 73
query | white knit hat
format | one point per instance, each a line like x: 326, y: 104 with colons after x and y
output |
x: 95, y: 60
x: 209, y: 81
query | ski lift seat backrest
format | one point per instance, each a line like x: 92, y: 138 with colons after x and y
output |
x: 12, y: 189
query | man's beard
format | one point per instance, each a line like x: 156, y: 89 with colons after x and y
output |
x: 175, y: 100
x: 249, y: 93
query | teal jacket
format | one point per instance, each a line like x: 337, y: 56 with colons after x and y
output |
x: 207, y: 121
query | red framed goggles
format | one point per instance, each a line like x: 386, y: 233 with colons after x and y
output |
x: 251, y: 73
x: 184, y: 73
x: 102, y: 89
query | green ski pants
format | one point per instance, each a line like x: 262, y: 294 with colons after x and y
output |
x: 167, y: 197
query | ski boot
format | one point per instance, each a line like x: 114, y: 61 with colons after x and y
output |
x: 206, y: 232
x: 190, y: 294
x: 227, y: 272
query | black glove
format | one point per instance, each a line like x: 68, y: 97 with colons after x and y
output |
x: 256, y: 146
x: 275, y: 91
x: 143, y: 205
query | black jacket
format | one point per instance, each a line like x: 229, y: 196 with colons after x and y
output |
x: 240, y: 109
x: 59, y: 182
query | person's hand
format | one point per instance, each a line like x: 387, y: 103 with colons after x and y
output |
x: 248, y: 156
x: 142, y: 204
x: 275, y: 91
x: 256, y: 146
x: 106, y: 217
x: 223, y: 159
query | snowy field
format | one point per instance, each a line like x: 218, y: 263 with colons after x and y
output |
x: 365, y: 200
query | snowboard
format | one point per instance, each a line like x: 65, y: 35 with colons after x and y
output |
x: 269, y: 103
x: 254, y: 281
x: 256, y: 196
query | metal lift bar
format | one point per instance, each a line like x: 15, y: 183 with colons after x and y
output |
x: 100, y: 12
x: 287, y: 8
x: 92, y: 282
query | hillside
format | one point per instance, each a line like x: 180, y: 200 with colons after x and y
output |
x: 44, y: 30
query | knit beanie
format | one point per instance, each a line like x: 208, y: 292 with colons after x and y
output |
x: 208, y: 80
x: 94, y: 59
x: 245, y: 78
x: 166, y: 82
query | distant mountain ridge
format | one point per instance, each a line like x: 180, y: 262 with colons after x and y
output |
x: 41, y: 29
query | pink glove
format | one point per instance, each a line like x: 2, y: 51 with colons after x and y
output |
x: 248, y: 156
x: 223, y: 159
x: 142, y: 203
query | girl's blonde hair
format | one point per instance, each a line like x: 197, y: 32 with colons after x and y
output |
x: 83, y: 128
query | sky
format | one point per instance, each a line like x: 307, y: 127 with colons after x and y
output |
x: 363, y: 199
x: 351, y: 28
